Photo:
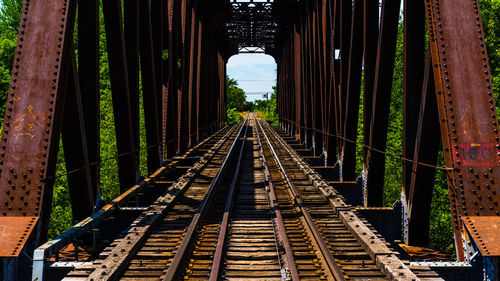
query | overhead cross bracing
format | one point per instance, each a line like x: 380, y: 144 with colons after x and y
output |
x: 252, y: 24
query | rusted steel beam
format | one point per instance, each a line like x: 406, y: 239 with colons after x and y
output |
x: 127, y: 163
x: 190, y: 75
x: 31, y: 130
x: 131, y: 37
x: 159, y: 27
x: 381, y: 101
x: 353, y: 94
x: 413, y: 71
x: 315, y: 81
x: 324, y: 68
x: 419, y: 195
x: 88, y: 65
x: 468, y: 117
x: 222, y: 92
x: 165, y: 70
x: 202, y: 92
x: 75, y: 148
x: 204, y: 100
x: 370, y: 46
x: 297, y: 79
x: 149, y: 86
x: 332, y: 89
x: 195, y: 78
x: 336, y: 69
x: 170, y: 106
x: 344, y: 37
x: 307, y: 80
x: 198, y: 80
x: 182, y: 92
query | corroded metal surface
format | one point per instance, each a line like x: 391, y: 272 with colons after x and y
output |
x: 14, y: 231
x: 485, y: 232
x: 467, y: 112
x: 32, y: 118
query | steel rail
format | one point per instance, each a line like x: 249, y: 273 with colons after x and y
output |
x: 333, y: 267
x: 121, y: 254
x: 181, y: 252
x: 50, y: 248
x: 278, y: 218
x: 221, y: 239
x: 384, y: 257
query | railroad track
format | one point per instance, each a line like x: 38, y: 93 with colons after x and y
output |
x: 147, y: 248
x: 251, y: 208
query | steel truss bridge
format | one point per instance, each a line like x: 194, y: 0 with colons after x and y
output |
x: 331, y: 56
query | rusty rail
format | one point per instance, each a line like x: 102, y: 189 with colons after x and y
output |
x: 333, y: 267
x: 124, y: 250
x: 278, y: 219
x: 179, y: 256
x: 50, y: 248
x: 221, y: 239
x: 384, y: 257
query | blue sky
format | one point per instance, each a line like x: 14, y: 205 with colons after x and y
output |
x: 255, y: 73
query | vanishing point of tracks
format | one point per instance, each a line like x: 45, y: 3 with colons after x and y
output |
x: 249, y: 209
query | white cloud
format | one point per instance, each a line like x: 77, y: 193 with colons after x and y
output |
x: 255, y: 73
x: 247, y: 59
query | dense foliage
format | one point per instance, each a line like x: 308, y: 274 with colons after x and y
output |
x: 236, y: 97
x: 61, y: 219
x: 10, y: 15
x: 490, y: 13
x: 267, y: 108
x: 233, y: 116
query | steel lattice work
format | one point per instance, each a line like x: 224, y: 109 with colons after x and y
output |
x: 331, y: 55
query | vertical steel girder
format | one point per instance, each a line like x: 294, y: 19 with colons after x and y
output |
x: 30, y: 138
x: 149, y: 86
x: 75, y: 148
x: 170, y: 106
x: 420, y: 123
x: 182, y: 109
x: 463, y: 106
x: 426, y: 147
x: 297, y: 82
x: 131, y: 37
x: 331, y: 145
x: 88, y: 65
x: 370, y: 45
x: 375, y: 161
x: 127, y: 156
x: 467, y: 113
x: 158, y: 31
x: 353, y: 93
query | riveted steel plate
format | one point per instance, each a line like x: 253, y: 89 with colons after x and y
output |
x: 14, y: 231
x: 30, y: 136
x: 486, y: 233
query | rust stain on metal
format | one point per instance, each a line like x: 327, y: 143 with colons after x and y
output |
x: 31, y: 128
x: 485, y: 232
x: 14, y: 231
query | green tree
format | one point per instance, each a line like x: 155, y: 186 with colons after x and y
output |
x: 233, y: 116
x: 271, y: 113
x: 490, y: 11
x: 236, y: 97
x: 10, y: 15
x: 260, y: 105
